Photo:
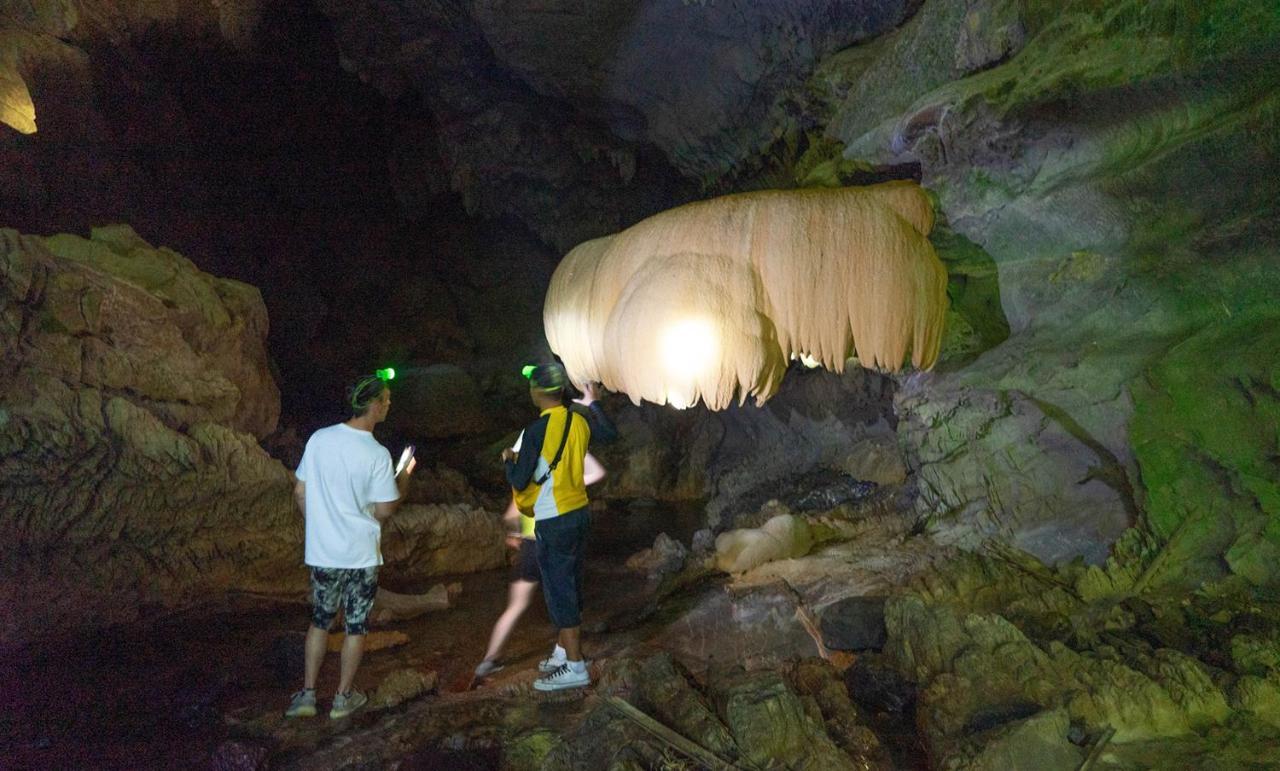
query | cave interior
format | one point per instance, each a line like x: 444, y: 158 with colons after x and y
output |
x: 941, y: 339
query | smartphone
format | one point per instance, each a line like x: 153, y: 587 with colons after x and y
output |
x: 404, y: 459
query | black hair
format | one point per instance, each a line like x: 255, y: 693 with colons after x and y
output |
x: 364, y: 393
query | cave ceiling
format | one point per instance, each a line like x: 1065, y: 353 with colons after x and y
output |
x: 573, y: 118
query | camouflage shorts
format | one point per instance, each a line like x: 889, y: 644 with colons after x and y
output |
x: 352, y: 588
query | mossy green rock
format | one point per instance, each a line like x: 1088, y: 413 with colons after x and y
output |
x: 1206, y: 433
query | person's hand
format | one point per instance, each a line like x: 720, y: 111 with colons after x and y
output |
x: 588, y: 394
x: 508, y: 454
x: 409, y: 467
x: 513, y: 541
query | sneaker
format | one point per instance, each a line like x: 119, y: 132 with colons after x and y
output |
x: 302, y: 704
x: 550, y: 664
x: 561, y: 678
x: 487, y: 667
x: 346, y: 703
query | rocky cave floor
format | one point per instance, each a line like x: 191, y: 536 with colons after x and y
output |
x: 984, y: 660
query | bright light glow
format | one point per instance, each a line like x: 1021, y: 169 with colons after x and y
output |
x: 688, y: 348
x: 388, y: 373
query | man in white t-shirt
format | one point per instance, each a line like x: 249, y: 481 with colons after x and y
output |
x: 346, y: 488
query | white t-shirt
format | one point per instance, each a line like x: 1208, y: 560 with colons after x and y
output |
x: 346, y: 471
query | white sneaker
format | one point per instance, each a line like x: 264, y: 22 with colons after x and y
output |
x: 561, y: 678
x: 550, y: 664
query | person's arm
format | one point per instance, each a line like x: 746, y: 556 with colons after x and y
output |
x: 592, y: 471
x: 511, y: 519
x: 520, y: 466
x: 300, y: 496
x: 384, y: 509
x: 602, y: 428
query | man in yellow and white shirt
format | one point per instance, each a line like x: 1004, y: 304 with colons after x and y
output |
x: 547, y: 477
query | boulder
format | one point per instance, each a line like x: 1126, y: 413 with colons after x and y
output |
x: 755, y: 719
x: 817, y: 679
x: 972, y: 666
x: 428, y: 540
x: 1259, y: 696
x: 757, y: 626
x: 662, y: 690
x: 666, y: 556
x: 1038, y: 742
x: 772, y: 725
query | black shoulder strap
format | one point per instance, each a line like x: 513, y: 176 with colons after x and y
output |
x: 564, y: 437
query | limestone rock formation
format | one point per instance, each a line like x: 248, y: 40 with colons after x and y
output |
x: 801, y: 719
x: 1077, y: 144
x: 576, y: 146
x: 132, y: 392
x: 427, y: 540
x: 1005, y: 652
x: 782, y: 537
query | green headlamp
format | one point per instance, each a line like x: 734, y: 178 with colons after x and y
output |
x: 547, y: 377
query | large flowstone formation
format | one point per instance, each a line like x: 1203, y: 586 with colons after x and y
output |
x: 712, y: 300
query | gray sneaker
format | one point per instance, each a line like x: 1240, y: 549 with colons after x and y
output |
x: 346, y: 703
x: 487, y: 667
x: 302, y: 704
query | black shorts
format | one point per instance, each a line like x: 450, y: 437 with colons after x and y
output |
x: 562, y: 543
x: 526, y: 567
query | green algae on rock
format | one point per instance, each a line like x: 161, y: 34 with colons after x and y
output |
x: 1206, y: 432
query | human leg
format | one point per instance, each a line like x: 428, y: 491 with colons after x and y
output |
x: 325, y: 595
x: 571, y: 640
x: 560, y: 555
x: 518, y: 598
x: 359, y: 590
x: 316, y: 646
x: 576, y: 548
x: 352, y: 652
